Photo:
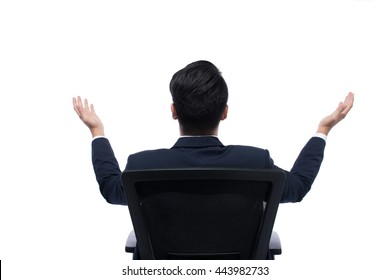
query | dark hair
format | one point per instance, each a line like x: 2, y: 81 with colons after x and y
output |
x: 200, y: 95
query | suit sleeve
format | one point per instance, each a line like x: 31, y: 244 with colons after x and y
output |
x: 107, y: 171
x: 304, y: 171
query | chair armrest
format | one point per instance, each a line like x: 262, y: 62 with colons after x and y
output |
x: 131, y: 242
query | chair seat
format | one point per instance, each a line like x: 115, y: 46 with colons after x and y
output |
x: 275, y: 246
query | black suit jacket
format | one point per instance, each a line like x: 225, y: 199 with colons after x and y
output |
x: 201, y: 152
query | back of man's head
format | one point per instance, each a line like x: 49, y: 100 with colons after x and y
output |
x: 200, y: 95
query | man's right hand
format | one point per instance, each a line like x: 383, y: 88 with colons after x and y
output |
x: 88, y: 116
x: 339, y: 114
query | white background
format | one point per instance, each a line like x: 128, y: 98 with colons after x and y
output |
x: 287, y: 65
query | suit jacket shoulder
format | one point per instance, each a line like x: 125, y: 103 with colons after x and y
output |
x: 191, y: 152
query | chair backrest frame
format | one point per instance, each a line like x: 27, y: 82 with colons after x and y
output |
x: 131, y: 178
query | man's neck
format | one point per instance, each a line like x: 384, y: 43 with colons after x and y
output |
x: 198, y: 136
x: 213, y: 133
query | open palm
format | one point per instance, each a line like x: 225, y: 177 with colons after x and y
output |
x: 87, y: 114
x: 339, y: 114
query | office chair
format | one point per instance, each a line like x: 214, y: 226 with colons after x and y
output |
x: 203, y: 213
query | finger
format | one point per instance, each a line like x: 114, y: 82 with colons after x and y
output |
x: 348, y: 102
x: 79, y: 103
x: 339, y: 109
x: 74, y: 102
x: 75, y: 105
x: 337, y: 115
x: 349, y: 99
x: 86, y: 106
x: 92, y: 109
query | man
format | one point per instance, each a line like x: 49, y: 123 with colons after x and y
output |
x: 200, y: 96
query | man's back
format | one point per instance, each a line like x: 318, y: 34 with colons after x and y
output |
x: 202, y: 152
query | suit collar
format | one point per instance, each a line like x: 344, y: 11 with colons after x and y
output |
x: 197, y: 141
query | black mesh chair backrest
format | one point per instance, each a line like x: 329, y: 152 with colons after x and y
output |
x: 203, y: 213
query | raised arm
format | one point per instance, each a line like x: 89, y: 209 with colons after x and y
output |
x: 105, y: 165
x: 302, y: 175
